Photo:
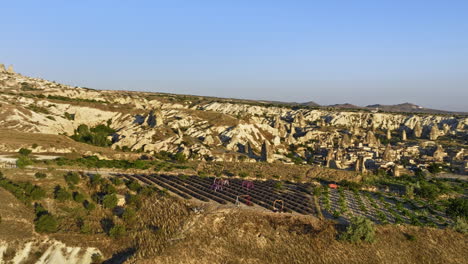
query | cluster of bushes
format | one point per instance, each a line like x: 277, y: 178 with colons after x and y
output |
x: 69, y: 99
x: 72, y: 178
x: 23, y: 191
x: 457, y: 207
x: 360, y: 229
x: 44, y: 222
x: 23, y: 159
x: 38, y: 109
x: 97, y: 135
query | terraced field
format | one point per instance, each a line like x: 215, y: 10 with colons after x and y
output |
x: 285, y: 197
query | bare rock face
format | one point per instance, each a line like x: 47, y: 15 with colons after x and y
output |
x: 439, y: 154
x: 2, y: 68
x: 370, y: 139
x: 10, y: 69
x: 389, y: 134
x: 434, y: 134
x: 299, y: 120
x: 346, y: 141
x: 403, y: 135
x: 389, y: 154
x: 360, y: 165
x: 266, y: 152
x: 417, y: 130
x: 396, y: 170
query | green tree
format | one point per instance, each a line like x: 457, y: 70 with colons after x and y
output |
x: 24, y: 151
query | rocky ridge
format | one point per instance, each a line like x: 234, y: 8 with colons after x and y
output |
x: 205, y: 128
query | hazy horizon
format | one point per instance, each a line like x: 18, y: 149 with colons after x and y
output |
x: 362, y: 53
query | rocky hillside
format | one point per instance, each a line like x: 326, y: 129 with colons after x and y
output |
x: 200, y: 127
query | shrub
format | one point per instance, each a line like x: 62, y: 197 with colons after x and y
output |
x: 24, y: 151
x: 23, y: 161
x: 108, y: 188
x: 89, y: 205
x: 243, y: 174
x: 72, y: 178
x: 410, y: 237
x: 460, y: 225
x: 78, y: 197
x: 109, y: 201
x: 36, y: 193
x: 129, y: 216
x: 61, y: 194
x: 34, y: 145
x: 95, y: 179
x: 434, y: 168
x: 134, y: 200
x: 278, y: 185
x: 457, y: 207
x: 116, y: 181
x: 180, y: 157
x: 69, y: 116
x: 317, y: 191
x: 117, y: 231
x: 40, y: 175
x: 96, y: 258
x: 46, y: 223
x: 360, y: 229
x: 134, y: 186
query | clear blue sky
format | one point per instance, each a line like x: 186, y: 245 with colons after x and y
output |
x: 361, y: 52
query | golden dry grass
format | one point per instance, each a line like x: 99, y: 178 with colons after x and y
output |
x: 241, y: 237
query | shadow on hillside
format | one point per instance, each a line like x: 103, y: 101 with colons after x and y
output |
x: 121, y: 257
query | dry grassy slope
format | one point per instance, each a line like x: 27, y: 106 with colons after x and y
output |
x: 17, y: 219
x: 242, y: 237
x: 10, y: 139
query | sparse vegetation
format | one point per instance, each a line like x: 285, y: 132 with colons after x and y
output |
x: 40, y: 175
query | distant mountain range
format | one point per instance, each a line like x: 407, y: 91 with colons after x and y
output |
x: 403, y: 108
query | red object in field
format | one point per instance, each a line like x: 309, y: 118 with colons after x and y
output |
x: 333, y: 186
